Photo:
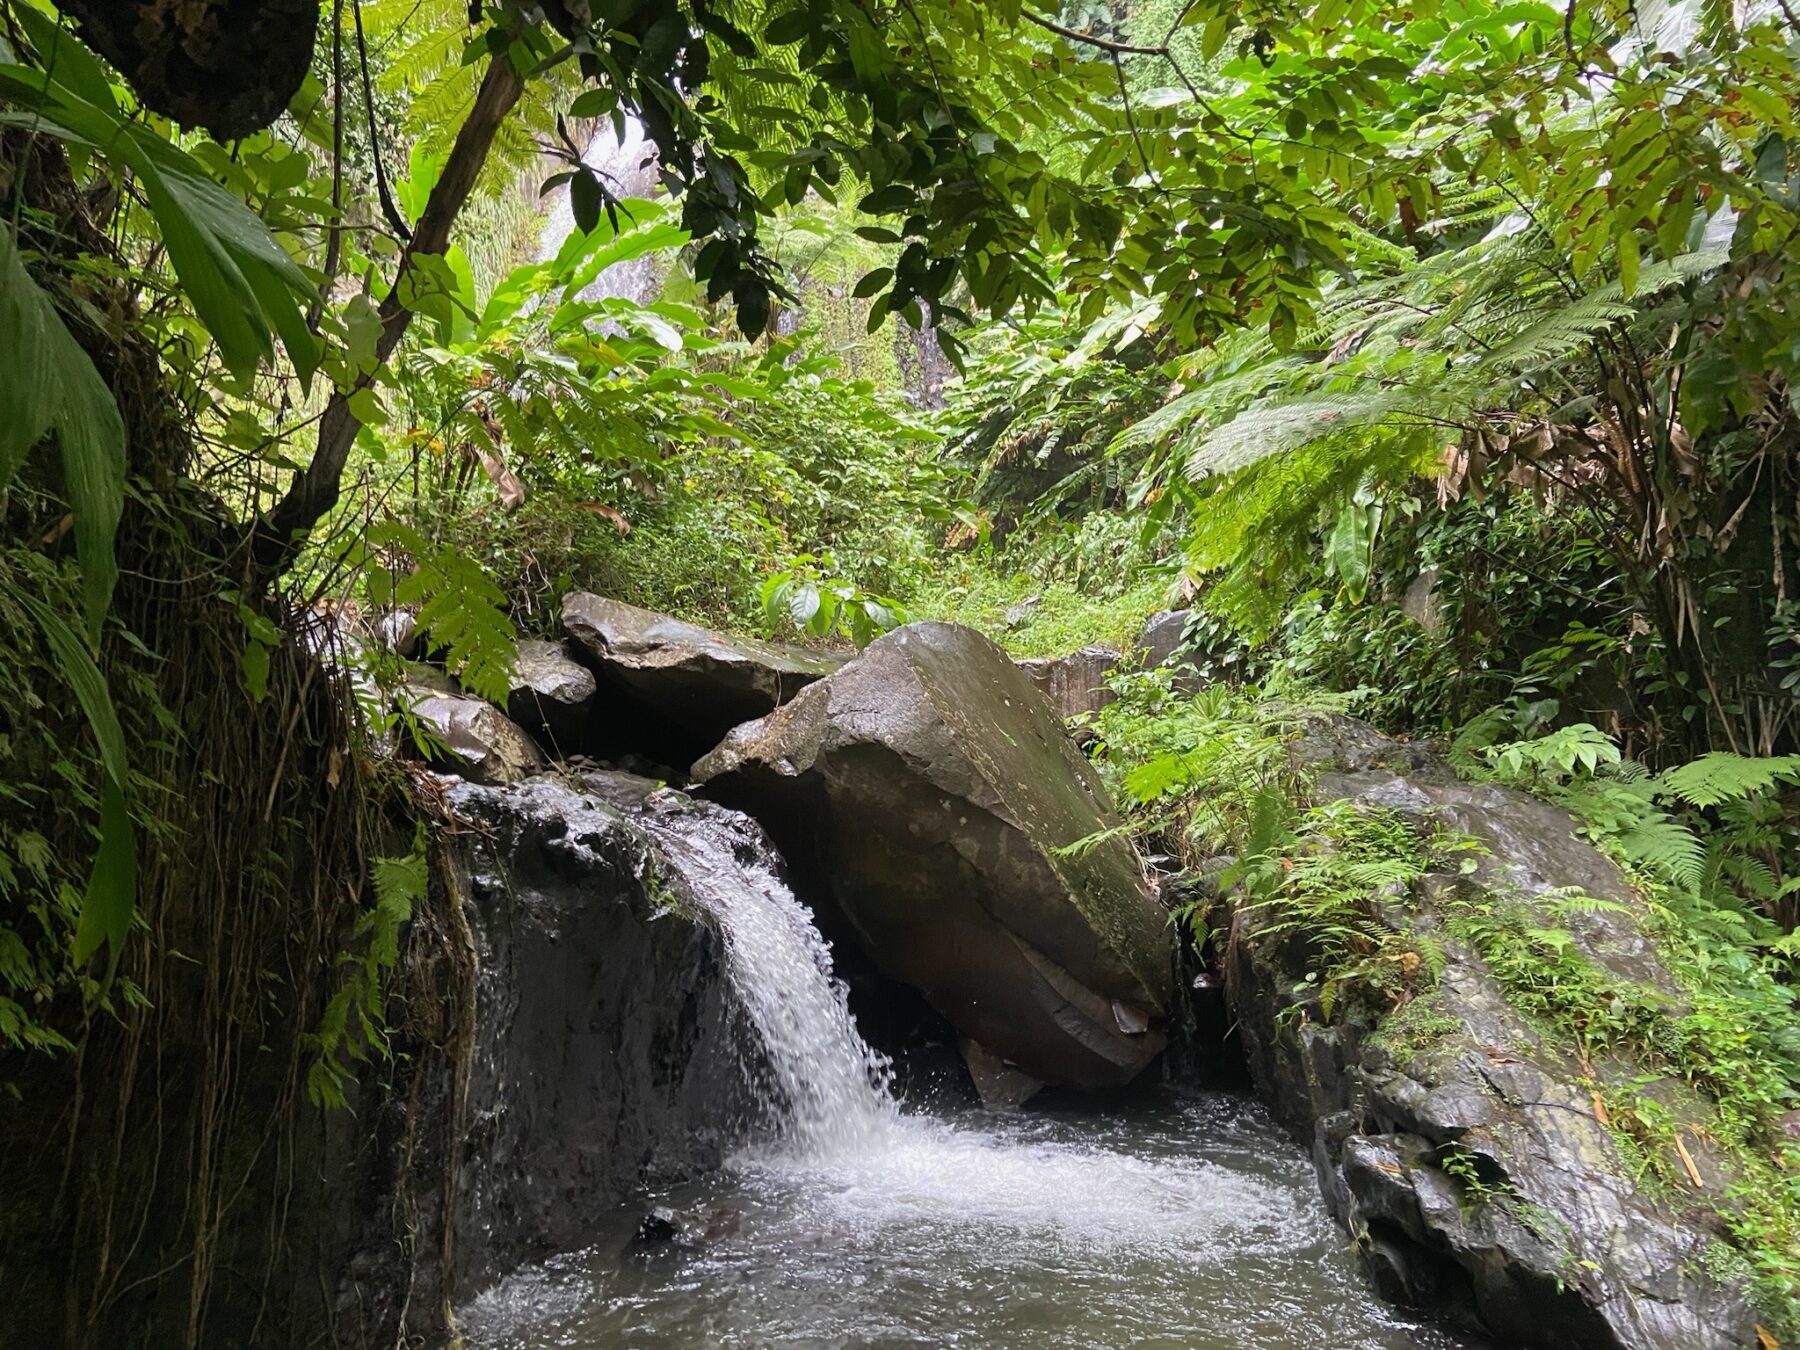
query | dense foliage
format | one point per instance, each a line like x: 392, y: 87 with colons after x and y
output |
x: 1439, y: 357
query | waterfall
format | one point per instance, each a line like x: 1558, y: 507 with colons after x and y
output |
x: 627, y: 166
x: 834, y: 1093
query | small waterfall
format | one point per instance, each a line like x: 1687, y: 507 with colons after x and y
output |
x: 627, y: 166
x: 835, y: 1091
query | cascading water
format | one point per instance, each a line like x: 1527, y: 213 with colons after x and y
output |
x: 1192, y: 1223
x: 834, y: 1092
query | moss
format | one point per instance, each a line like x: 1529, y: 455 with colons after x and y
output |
x: 1416, y: 1028
x: 1066, y: 618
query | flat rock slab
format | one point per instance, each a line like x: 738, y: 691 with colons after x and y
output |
x: 677, y: 688
x: 933, y: 789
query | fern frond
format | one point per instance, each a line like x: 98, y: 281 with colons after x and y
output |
x: 1722, y: 777
x: 1668, y: 849
x: 460, y: 609
x: 1277, y: 428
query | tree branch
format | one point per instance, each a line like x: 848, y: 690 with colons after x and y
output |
x: 1089, y: 40
x: 276, y: 537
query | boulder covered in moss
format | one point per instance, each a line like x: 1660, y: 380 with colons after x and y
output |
x: 1470, y: 1139
x: 964, y: 838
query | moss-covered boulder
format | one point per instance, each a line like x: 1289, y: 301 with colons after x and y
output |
x: 934, y: 792
x: 1469, y: 1139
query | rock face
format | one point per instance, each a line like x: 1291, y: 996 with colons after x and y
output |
x: 668, y: 682
x: 609, y: 1048
x: 930, y: 786
x: 552, y: 694
x: 1074, y: 684
x: 1460, y: 1145
x: 565, y: 1034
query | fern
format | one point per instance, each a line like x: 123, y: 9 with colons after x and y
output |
x: 1666, y: 848
x: 459, y: 609
x: 1280, y: 427
x: 1721, y: 777
x: 1560, y: 334
x: 351, y: 1026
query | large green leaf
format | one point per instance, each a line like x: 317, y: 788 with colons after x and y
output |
x: 111, y: 893
x: 54, y: 386
x: 242, y: 283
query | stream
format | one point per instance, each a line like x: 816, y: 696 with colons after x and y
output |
x: 866, y: 1221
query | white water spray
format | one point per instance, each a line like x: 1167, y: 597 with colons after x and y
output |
x: 835, y: 1092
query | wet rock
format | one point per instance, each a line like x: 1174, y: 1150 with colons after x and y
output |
x: 657, y: 1226
x: 398, y: 631
x: 609, y: 1046
x: 687, y: 1228
x: 670, y: 689
x: 1456, y: 1140
x: 479, y: 742
x: 997, y: 1083
x: 932, y: 790
x: 1074, y: 684
x: 551, y: 693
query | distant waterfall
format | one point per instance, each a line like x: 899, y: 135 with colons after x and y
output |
x: 627, y: 167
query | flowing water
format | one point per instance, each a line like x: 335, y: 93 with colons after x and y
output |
x: 866, y: 1223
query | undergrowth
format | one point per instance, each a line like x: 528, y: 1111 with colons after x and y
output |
x: 1707, y: 1067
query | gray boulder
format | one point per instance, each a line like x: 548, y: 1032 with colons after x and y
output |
x: 1161, y: 638
x: 552, y: 694
x: 932, y: 788
x: 1074, y: 684
x: 672, y: 689
x: 479, y: 742
x: 1457, y: 1139
x: 1163, y: 643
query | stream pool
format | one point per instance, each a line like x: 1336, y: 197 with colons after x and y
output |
x: 1192, y: 1222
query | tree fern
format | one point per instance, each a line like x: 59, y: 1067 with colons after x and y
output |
x: 1276, y: 428
x: 1561, y: 333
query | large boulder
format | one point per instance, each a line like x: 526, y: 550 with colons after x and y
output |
x: 1162, y: 638
x: 607, y: 1046
x: 1074, y: 684
x: 1464, y: 1142
x: 671, y: 689
x: 933, y: 791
